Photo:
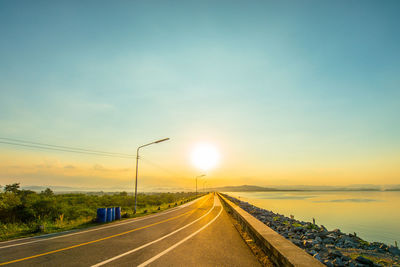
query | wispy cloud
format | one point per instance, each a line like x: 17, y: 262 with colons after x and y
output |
x: 69, y: 167
x: 356, y: 200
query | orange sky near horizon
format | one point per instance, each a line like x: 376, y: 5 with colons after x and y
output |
x: 63, y: 169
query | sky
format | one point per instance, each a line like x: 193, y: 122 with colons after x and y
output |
x: 288, y: 92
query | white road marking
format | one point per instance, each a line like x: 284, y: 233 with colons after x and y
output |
x: 180, y: 242
x: 217, y: 202
x: 152, y: 242
x: 96, y: 229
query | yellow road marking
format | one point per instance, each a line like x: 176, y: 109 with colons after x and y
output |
x: 98, y: 240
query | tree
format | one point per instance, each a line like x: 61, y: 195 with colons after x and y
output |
x: 12, y: 188
x: 8, y: 204
x: 48, y: 192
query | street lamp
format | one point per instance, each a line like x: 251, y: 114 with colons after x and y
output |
x: 137, y: 164
x: 196, y: 181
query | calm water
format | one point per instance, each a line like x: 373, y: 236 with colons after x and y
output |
x: 374, y: 216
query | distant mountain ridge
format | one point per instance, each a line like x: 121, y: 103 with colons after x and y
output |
x: 37, y: 188
x: 241, y: 188
x: 253, y: 188
x: 70, y: 189
x: 244, y: 188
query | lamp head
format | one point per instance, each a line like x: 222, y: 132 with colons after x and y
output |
x: 162, y: 140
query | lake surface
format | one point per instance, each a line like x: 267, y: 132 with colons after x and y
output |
x: 374, y: 216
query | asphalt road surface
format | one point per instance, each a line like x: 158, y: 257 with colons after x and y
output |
x: 199, y: 233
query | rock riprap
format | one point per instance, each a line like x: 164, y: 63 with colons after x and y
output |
x: 332, y: 248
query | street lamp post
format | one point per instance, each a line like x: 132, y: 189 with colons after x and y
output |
x: 196, y: 181
x: 137, y: 165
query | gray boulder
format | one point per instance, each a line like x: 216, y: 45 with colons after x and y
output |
x: 322, y: 234
x: 307, y: 243
x: 312, y: 252
x: 346, y: 258
x: 328, y: 263
x: 318, y: 257
x: 298, y: 229
x: 328, y: 240
x: 349, y: 244
x: 333, y: 236
x: 335, y: 254
x: 383, y: 246
x: 338, y: 262
x: 394, y: 250
x: 365, y: 261
x: 318, y: 247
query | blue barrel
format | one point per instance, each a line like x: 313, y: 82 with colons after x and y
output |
x: 113, y: 213
x: 102, y: 215
x: 109, y: 214
x: 118, y: 213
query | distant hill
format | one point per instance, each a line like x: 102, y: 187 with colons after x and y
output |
x: 241, y: 188
x: 253, y: 188
x: 244, y: 188
x: 66, y: 189
x: 69, y: 189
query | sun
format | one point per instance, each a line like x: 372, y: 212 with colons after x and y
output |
x: 205, y: 156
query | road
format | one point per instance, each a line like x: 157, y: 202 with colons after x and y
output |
x: 199, y: 233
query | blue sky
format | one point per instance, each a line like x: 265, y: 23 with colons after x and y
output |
x: 302, y: 89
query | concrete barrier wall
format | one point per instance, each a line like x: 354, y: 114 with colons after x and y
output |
x: 280, y: 251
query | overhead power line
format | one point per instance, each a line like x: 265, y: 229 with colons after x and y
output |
x: 167, y: 170
x: 29, y: 144
x: 23, y: 143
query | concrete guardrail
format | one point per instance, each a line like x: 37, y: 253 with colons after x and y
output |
x: 280, y: 251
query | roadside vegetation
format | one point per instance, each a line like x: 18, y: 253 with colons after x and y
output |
x: 26, y: 213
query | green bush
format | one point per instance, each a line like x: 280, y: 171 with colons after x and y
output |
x: 23, y: 211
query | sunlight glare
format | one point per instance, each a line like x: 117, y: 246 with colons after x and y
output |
x: 205, y: 156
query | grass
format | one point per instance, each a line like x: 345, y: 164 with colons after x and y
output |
x: 385, y: 261
x: 17, y: 230
x: 297, y: 225
x: 276, y: 218
x: 312, y: 226
x: 363, y: 242
x: 355, y: 255
x: 150, y: 209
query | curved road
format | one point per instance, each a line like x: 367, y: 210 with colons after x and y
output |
x: 199, y: 233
